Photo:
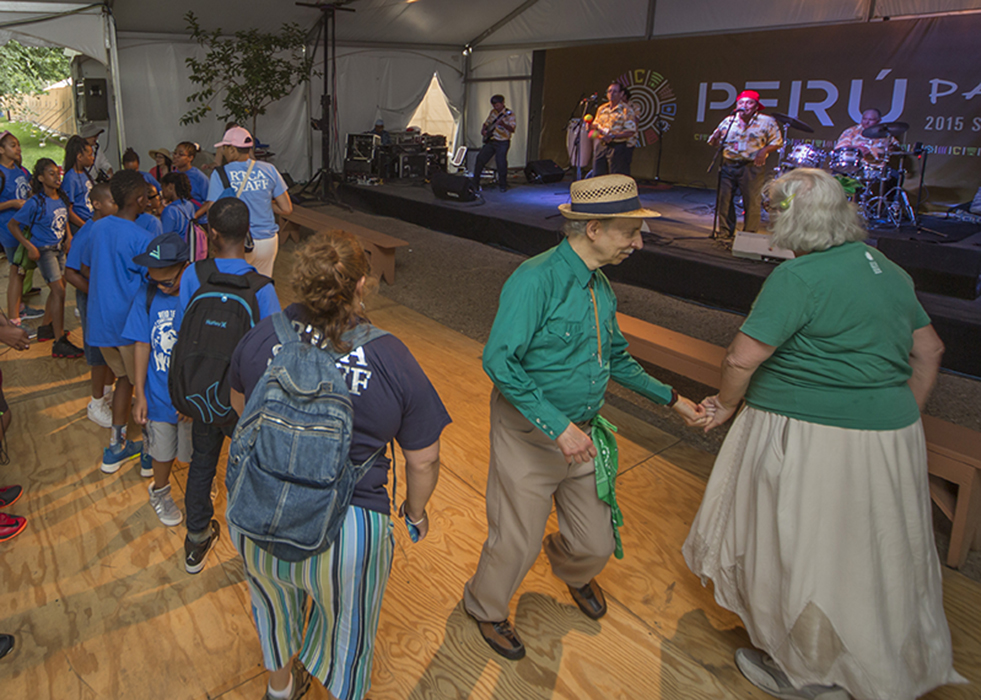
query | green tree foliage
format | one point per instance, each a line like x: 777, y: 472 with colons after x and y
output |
x: 27, y: 70
x: 248, y: 72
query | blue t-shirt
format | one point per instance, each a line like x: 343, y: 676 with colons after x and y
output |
x: 264, y: 184
x: 49, y: 224
x: 81, y: 243
x: 114, y: 279
x: 150, y: 223
x: 392, y: 398
x: 199, y: 184
x: 266, y: 297
x: 16, y: 185
x: 77, y: 186
x: 157, y: 329
x: 150, y: 179
x: 176, y: 216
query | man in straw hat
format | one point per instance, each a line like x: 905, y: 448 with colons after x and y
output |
x: 554, y: 346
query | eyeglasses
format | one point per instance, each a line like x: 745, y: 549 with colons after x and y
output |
x: 172, y: 282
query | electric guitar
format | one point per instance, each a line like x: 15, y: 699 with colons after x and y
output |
x: 489, y: 133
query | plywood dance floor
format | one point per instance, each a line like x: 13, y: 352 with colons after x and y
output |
x: 95, y: 590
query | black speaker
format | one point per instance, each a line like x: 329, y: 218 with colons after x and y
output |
x: 453, y: 187
x: 542, y: 172
x: 936, y: 268
x: 92, y: 100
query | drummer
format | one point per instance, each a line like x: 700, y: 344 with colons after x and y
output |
x: 874, y: 150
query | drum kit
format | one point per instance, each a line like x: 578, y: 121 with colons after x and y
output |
x: 876, y: 187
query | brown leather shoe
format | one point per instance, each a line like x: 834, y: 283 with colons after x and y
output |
x: 502, y: 638
x: 590, y: 599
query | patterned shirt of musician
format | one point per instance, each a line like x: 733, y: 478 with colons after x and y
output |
x: 746, y: 140
x: 500, y: 133
x: 623, y: 117
x: 852, y: 138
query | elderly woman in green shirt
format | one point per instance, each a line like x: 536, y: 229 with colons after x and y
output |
x: 816, y: 523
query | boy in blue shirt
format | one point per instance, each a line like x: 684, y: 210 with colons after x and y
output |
x: 227, y: 228
x: 99, y: 409
x: 150, y: 325
x: 114, y: 282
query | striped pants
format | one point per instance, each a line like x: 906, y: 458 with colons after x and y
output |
x: 344, y: 586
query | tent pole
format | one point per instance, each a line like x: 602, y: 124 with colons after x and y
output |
x: 466, y: 97
x: 117, y: 97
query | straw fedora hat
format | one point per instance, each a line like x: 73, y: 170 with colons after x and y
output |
x: 162, y: 151
x: 605, y: 197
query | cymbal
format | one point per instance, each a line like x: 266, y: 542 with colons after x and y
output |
x: 793, y: 122
x: 881, y: 131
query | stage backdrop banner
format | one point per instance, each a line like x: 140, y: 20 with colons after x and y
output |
x: 923, y: 72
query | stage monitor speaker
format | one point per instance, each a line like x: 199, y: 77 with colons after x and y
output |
x: 756, y: 246
x: 455, y: 188
x: 542, y: 172
x: 92, y: 100
x: 936, y: 268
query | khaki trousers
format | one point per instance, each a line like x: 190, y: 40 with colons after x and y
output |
x: 527, y: 470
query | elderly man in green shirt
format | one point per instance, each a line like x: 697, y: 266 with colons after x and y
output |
x: 554, y: 346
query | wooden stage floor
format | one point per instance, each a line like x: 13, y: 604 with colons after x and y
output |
x: 95, y: 590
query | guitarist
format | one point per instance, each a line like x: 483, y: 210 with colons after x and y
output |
x: 496, y: 131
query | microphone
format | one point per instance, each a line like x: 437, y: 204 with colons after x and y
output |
x: 591, y: 98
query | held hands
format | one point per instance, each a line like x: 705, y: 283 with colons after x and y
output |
x: 717, y: 412
x: 575, y: 445
x: 694, y: 414
x: 421, y: 522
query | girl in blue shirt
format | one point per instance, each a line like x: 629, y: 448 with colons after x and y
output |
x: 179, y: 212
x: 15, y: 191
x: 79, y: 157
x: 46, y: 216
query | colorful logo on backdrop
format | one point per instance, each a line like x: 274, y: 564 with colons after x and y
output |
x: 653, y: 98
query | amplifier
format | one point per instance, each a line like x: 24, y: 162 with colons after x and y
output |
x: 543, y: 172
x: 437, y: 160
x: 412, y: 165
x: 357, y: 167
x: 362, y: 146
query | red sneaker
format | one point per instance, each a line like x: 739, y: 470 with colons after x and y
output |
x: 9, y: 495
x: 11, y: 526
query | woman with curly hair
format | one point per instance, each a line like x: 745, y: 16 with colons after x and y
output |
x: 392, y: 399
x: 77, y: 183
x: 816, y: 524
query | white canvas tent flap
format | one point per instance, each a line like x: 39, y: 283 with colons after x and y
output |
x: 76, y: 26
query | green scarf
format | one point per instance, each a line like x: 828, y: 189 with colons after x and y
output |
x: 607, y: 466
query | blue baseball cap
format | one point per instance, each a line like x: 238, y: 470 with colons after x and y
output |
x: 165, y: 250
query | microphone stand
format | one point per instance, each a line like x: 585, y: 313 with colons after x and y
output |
x: 716, y: 160
x: 660, y: 147
x: 576, y: 146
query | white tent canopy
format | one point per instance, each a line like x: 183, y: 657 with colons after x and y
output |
x: 388, y: 52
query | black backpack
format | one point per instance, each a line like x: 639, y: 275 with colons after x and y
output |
x: 223, y: 310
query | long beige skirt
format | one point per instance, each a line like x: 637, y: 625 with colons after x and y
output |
x: 821, y: 540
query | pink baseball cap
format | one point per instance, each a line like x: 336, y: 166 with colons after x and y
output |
x: 238, y: 137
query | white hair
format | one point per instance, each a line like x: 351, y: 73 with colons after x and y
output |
x: 574, y: 227
x: 811, y: 213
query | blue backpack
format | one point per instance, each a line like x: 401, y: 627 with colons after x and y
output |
x: 290, y: 478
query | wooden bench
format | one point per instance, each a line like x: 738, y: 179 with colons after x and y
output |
x: 379, y: 246
x: 953, y: 452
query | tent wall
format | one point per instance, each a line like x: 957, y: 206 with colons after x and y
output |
x: 514, y: 69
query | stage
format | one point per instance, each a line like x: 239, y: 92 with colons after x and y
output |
x: 679, y: 257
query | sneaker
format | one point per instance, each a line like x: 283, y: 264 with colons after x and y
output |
x: 33, y: 291
x: 146, y: 465
x: 64, y: 348
x: 762, y: 671
x: 45, y: 333
x: 113, y: 457
x: 301, y: 682
x: 31, y: 312
x: 163, y: 504
x: 9, y: 495
x: 6, y: 644
x: 99, y: 413
x: 196, y: 554
x: 11, y: 526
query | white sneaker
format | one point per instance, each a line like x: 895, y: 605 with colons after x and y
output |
x: 99, y: 413
x: 163, y: 504
x: 763, y: 672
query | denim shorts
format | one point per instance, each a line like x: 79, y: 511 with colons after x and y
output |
x: 9, y: 251
x: 93, y: 356
x: 51, y: 263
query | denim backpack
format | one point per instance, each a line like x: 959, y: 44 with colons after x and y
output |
x: 289, y: 477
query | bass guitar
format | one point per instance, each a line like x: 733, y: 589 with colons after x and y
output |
x: 489, y: 131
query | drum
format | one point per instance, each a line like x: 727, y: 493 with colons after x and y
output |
x: 804, y: 155
x: 846, y: 160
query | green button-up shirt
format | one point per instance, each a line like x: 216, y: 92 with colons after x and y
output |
x: 542, y: 353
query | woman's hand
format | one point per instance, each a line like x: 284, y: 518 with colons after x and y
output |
x: 717, y: 412
x: 420, y: 522
x: 694, y: 414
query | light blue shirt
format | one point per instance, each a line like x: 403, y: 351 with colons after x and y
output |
x: 264, y: 184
